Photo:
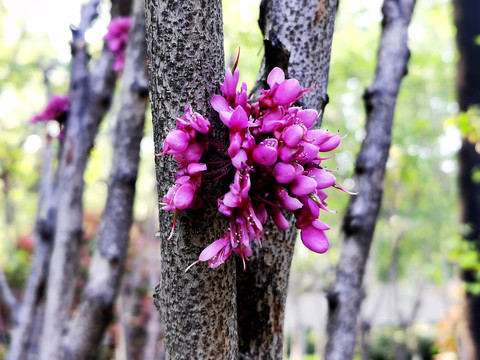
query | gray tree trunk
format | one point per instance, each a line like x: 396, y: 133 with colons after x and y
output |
x: 345, y: 296
x: 467, y: 15
x: 90, y: 96
x: 186, y: 62
x: 21, y: 334
x: 96, y: 307
x: 297, y: 38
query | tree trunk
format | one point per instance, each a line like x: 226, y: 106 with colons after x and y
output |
x: 359, y: 223
x: 467, y: 14
x: 186, y: 62
x: 43, y: 237
x: 90, y: 97
x: 298, y: 39
x: 96, y: 307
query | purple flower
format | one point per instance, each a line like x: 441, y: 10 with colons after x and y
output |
x: 275, y: 155
x: 287, y: 92
x: 176, y: 142
x: 292, y: 135
x: 266, y: 152
x: 116, y: 38
x: 303, y: 185
x: 229, y: 87
x: 56, y: 109
x: 314, y: 238
x: 284, y: 173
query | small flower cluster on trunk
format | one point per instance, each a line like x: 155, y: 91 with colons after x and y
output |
x: 116, y: 38
x: 56, y: 110
x: 276, y: 158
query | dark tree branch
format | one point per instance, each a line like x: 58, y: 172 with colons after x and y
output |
x: 7, y: 295
x: 298, y: 39
x: 186, y: 62
x: 90, y: 96
x: 96, y: 307
x: 359, y: 223
x: 467, y: 13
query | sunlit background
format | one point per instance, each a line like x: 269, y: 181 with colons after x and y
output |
x: 412, y: 270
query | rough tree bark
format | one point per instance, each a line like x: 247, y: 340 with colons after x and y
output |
x: 186, y: 62
x: 345, y: 296
x: 467, y: 15
x: 43, y: 236
x: 298, y: 39
x: 96, y: 307
x: 90, y: 97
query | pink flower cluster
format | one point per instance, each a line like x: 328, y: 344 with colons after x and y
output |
x: 56, y: 109
x: 116, y: 38
x: 187, y: 144
x: 276, y: 158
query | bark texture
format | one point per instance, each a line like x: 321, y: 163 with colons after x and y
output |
x: 345, y: 296
x: 33, y: 297
x: 186, y: 62
x: 298, y: 39
x: 467, y: 15
x: 96, y: 307
x: 90, y: 96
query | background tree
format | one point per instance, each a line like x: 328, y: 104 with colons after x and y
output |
x: 359, y: 223
x: 467, y: 14
x: 175, y: 84
x: 186, y: 61
x: 297, y: 37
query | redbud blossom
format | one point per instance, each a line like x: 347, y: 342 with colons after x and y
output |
x: 276, y: 157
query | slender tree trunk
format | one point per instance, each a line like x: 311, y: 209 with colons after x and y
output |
x: 90, y: 97
x: 21, y: 334
x: 467, y: 15
x: 359, y: 223
x: 297, y: 38
x: 186, y: 62
x: 96, y: 307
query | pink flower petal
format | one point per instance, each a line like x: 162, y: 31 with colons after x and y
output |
x: 308, y: 117
x: 184, y: 196
x: 239, y: 161
x: 220, y: 104
x: 195, y: 168
x: 331, y: 143
x: 266, y: 152
x: 279, y: 219
x: 239, y: 119
x: 287, y: 92
x: 211, y: 250
x: 314, y: 239
x: 284, y: 173
x: 261, y: 213
x: 292, y: 135
x: 317, y: 136
x: 276, y: 76
x: 177, y: 141
x: 192, y: 153
x: 287, y: 202
x: 323, y: 178
x: 303, y: 185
